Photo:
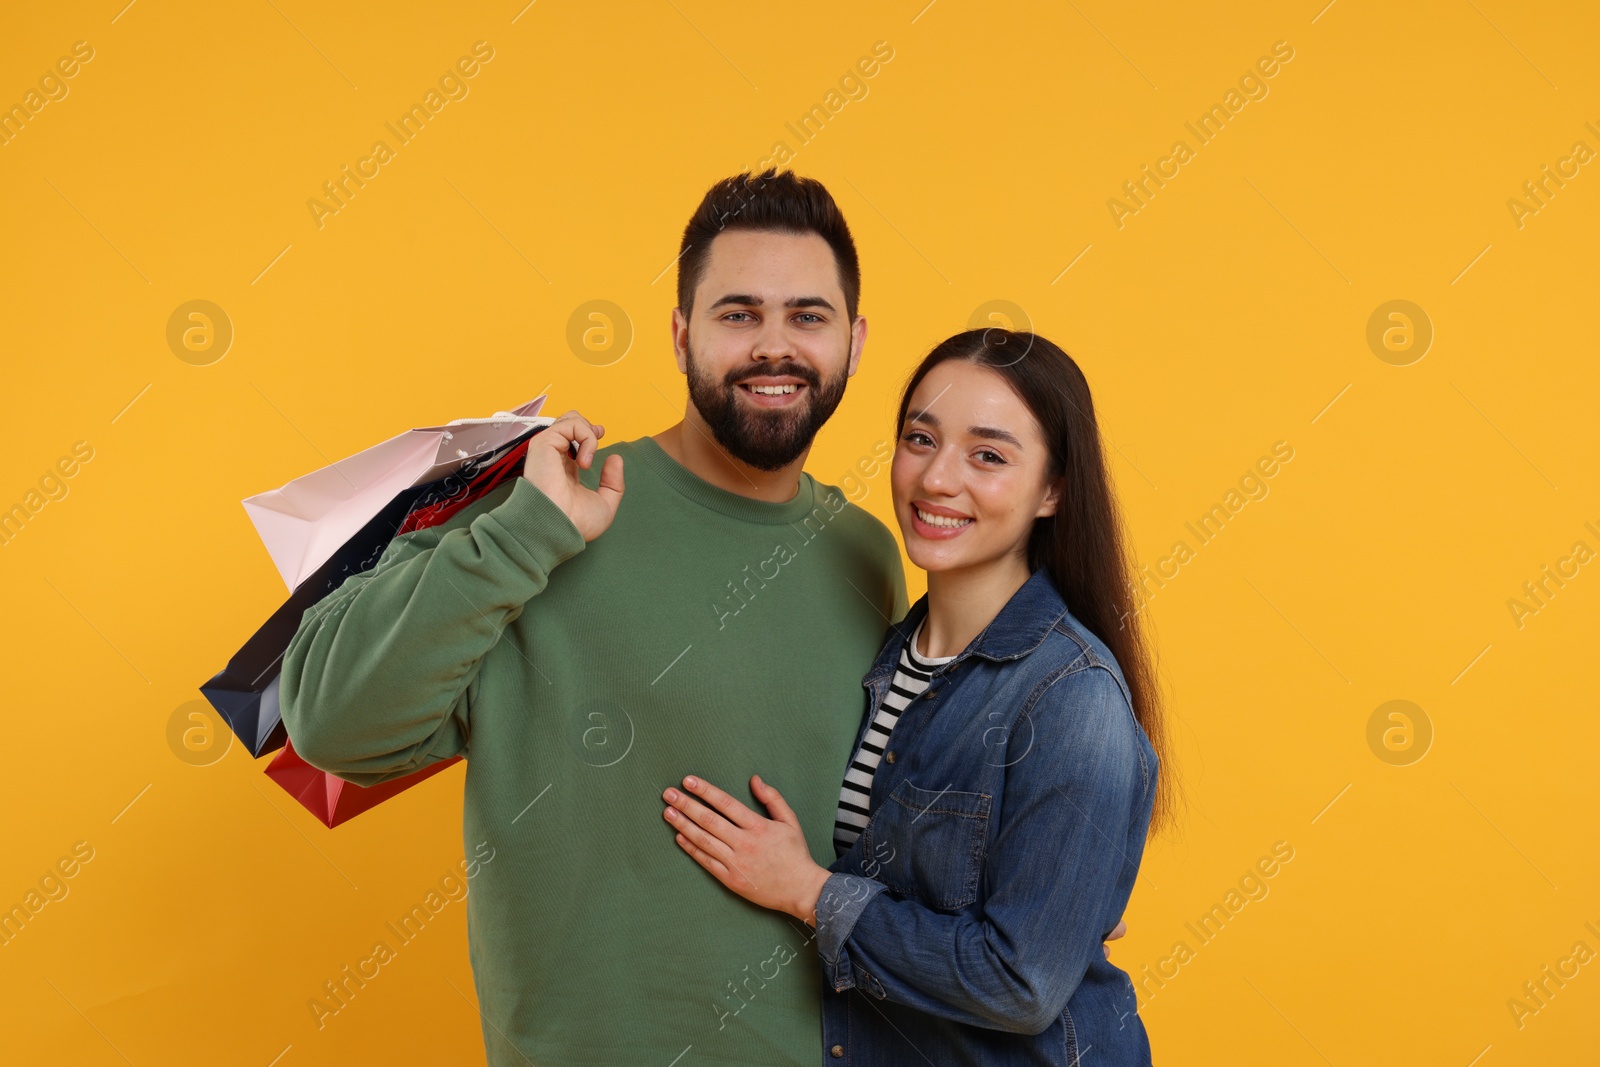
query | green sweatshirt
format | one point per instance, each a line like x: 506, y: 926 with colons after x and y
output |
x: 704, y: 633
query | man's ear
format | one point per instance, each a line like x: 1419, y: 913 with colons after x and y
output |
x: 680, y: 340
x: 858, y: 340
x: 1052, y: 499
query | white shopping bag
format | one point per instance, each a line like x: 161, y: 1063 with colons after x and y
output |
x: 305, y: 522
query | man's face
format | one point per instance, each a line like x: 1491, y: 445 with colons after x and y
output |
x: 768, y: 347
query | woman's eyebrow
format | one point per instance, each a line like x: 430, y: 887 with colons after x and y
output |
x: 991, y: 433
x: 995, y: 434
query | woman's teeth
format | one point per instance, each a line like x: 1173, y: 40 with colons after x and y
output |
x: 772, y: 390
x: 941, y: 520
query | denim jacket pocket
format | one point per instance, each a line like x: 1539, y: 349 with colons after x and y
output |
x: 928, y: 844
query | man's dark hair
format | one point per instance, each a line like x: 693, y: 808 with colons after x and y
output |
x: 780, y: 202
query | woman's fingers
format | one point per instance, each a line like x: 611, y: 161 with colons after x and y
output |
x: 777, y: 807
x: 694, y: 818
x: 734, y: 811
x: 718, y: 870
x: 700, y: 838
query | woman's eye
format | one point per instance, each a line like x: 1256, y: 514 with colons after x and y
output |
x: 917, y: 437
x: 989, y: 455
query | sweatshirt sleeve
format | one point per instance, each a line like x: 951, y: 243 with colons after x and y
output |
x: 380, y: 678
x: 897, y: 576
x: 894, y: 572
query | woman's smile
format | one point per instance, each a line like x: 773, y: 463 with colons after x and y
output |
x: 937, y: 523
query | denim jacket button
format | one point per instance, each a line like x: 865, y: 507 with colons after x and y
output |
x: 888, y: 757
x: 837, y: 1052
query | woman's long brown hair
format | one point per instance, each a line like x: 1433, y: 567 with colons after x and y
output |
x: 1083, y: 545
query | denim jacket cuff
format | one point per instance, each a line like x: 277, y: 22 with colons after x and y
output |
x: 844, y: 897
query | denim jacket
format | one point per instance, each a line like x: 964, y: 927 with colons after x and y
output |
x: 1009, y: 814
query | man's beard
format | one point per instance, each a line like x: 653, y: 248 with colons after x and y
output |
x: 765, y: 438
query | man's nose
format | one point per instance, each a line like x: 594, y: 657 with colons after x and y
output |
x: 773, y: 342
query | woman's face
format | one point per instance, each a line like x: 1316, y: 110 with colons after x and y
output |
x: 970, y: 470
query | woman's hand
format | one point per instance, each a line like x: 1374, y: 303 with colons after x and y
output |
x: 766, y: 861
x: 1116, y: 931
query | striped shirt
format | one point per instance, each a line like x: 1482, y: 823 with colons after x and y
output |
x: 910, y: 679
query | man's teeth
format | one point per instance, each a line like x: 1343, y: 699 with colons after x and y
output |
x: 772, y: 390
x: 940, y: 520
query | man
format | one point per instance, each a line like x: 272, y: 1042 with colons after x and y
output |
x: 721, y: 625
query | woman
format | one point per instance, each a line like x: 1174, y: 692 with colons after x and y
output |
x: 991, y: 823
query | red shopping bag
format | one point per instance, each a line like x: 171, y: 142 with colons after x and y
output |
x: 332, y: 799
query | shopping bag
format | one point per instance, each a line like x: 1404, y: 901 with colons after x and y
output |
x: 306, y: 521
x: 334, y: 800
x: 245, y: 692
x: 328, y: 797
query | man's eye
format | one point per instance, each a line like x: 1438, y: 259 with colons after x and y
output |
x: 731, y: 314
x: 812, y: 316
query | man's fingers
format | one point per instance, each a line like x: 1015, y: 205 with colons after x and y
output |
x: 610, y: 489
x: 573, y: 429
x: 1118, y: 930
x: 576, y: 414
x: 591, y: 446
x: 735, y: 812
x: 566, y: 433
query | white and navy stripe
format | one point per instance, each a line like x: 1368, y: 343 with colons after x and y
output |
x: 910, y: 679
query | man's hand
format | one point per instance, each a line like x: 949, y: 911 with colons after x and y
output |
x: 554, y: 456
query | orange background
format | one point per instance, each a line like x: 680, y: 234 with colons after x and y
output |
x: 1228, y: 313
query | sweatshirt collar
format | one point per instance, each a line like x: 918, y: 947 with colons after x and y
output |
x: 743, y: 508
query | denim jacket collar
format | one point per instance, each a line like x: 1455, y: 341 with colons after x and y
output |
x: 1019, y: 628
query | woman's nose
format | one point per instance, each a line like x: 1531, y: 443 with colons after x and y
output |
x: 940, y: 474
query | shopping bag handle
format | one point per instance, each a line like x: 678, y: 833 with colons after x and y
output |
x: 497, y: 419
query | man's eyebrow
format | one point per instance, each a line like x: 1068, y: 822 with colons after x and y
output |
x: 749, y: 300
x: 991, y: 433
x: 808, y: 302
